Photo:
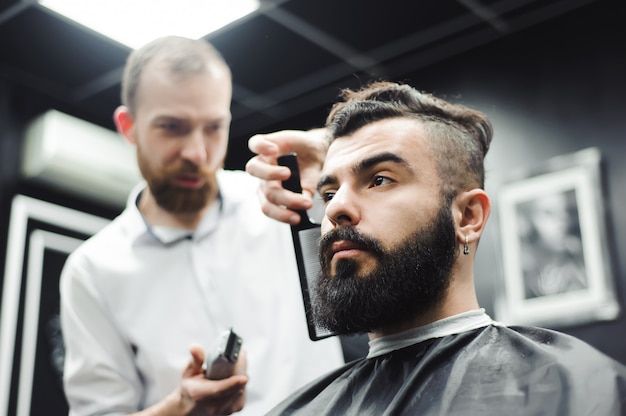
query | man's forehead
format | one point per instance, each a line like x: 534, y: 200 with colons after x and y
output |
x: 391, y: 135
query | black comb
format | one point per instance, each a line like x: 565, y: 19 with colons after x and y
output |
x: 306, y: 236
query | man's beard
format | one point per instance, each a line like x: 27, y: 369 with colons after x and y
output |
x: 408, y: 280
x: 173, y: 198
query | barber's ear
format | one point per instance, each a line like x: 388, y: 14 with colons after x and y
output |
x: 124, y: 123
x: 470, y: 211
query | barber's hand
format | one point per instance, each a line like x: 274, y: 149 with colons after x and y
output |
x: 201, y: 396
x: 310, y: 147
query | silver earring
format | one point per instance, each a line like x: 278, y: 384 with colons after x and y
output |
x: 466, y: 247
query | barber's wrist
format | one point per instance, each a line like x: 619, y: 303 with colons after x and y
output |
x: 177, y: 404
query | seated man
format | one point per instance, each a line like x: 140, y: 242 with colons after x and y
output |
x: 405, y: 208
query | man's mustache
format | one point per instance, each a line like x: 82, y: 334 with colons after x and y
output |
x: 348, y: 234
x: 187, y: 168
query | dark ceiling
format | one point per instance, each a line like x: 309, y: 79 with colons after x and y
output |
x: 288, y: 59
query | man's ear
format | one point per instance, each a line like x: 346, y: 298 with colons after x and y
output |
x: 470, y: 211
x: 124, y: 123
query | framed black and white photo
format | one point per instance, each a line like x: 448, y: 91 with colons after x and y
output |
x: 41, y: 236
x: 555, y: 252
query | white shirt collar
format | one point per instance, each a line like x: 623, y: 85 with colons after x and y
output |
x: 227, y: 201
x: 455, y: 324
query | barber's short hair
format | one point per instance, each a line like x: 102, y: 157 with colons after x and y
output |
x: 183, y: 56
x: 459, y: 136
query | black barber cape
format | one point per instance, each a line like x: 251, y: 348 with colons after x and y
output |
x: 493, y: 370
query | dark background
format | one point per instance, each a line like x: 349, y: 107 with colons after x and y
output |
x: 549, y: 74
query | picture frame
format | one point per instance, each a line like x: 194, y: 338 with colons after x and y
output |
x: 41, y: 236
x: 556, y: 261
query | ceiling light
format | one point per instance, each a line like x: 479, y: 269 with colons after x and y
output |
x: 137, y: 22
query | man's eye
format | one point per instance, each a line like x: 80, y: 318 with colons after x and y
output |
x: 214, y: 127
x: 381, y: 180
x: 170, y: 127
x: 327, y: 196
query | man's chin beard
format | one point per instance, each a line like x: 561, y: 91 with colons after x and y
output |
x: 171, y: 197
x: 407, y: 282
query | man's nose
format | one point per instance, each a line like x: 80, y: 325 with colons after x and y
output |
x: 194, y: 148
x: 343, y: 208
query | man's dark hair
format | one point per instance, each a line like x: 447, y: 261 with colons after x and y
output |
x: 459, y: 136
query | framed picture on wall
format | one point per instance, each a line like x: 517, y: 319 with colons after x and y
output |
x: 41, y: 236
x: 556, y: 262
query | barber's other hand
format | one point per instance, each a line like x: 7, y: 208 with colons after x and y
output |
x: 310, y: 147
x: 200, y: 396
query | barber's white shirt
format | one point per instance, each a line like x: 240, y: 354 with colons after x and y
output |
x: 134, y: 298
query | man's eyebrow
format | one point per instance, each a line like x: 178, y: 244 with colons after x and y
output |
x: 326, y: 180
x: 377, y: 159
x: 363, y: 165
x: 166, y: 118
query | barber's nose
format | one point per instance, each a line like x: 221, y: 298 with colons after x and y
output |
x: 343, y: 208
x: 194, y: 147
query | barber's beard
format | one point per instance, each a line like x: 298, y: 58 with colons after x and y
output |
x: 408, y: 280
x: 174, y: 198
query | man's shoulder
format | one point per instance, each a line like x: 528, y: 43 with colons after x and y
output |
x: 559, y: 346
x: 110, y: 238
x: 564, y: 345
x: 534, y: 355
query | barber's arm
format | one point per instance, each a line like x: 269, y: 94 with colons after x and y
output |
x: 310, y: 147
x: 100, y: 375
